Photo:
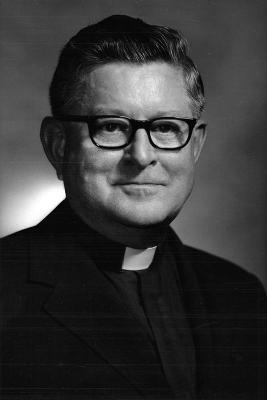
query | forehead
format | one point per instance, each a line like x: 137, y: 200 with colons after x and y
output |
x: 133, y: 88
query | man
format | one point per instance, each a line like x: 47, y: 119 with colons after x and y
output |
x: 101, y: 300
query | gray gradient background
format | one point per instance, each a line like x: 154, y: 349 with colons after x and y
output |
x: 226, y: 213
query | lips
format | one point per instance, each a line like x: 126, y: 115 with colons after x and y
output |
x: 140, y: 190
x: 140, y: 183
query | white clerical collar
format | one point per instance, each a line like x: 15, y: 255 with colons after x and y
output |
x: 137, y: 259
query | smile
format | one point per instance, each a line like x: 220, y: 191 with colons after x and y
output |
x: 141, y: 183
x: 140, y: 189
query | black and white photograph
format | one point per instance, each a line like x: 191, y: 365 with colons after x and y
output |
x: 133, y: 200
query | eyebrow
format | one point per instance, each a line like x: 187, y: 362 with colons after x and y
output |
x: 170, y: 113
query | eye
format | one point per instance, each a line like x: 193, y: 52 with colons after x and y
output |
x: 111, y: 127
x: 166, y: 127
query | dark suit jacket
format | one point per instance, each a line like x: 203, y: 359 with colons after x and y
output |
x: 65, y: 333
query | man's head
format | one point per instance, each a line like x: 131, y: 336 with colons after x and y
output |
x: 125, y: 68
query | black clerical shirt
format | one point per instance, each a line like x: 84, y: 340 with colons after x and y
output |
x: 153, y: 296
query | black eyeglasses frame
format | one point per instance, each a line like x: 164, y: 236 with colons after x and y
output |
x: 135, y: 124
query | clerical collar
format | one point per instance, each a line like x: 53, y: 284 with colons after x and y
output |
x: 137, y: 259
x: 113, y: 256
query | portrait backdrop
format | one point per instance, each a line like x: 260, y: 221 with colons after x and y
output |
x: 226, y: 214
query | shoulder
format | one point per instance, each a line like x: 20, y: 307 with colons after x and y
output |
x: 16, y: 245
x: 216, y: 270
x: 208, y: 267
x: 17, y: 253
x: 219, y: 280
x: 14, y: 258
x: 225, y: 285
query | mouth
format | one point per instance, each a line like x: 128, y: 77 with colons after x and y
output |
x: 142, y: 183
x: 140, y: 190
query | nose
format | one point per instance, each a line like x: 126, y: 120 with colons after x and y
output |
x: 141, y: 151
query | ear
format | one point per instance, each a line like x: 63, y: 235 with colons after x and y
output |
x: 53, y: 138
x: 199, y: 137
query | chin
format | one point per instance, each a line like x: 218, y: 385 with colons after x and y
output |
x: 145, y: 218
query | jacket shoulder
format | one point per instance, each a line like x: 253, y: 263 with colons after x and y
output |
x: 216, y: 269
x: 15, y: 245
x: 226, y: 285
x: 14, y: 259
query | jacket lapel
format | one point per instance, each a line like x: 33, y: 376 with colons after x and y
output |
x: 83, y: 300
x: 196, y: 313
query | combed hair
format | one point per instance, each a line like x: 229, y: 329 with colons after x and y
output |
x: 120, y: 38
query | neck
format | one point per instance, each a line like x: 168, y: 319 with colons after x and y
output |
x: 131, y: 236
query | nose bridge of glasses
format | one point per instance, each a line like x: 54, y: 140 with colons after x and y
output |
x: 140, y: 124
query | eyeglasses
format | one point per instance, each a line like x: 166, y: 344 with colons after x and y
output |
x: 117, y: 132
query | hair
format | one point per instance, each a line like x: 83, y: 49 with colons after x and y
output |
x: 120, y: 38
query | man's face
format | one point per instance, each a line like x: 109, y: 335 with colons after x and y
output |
x: 138, y: 185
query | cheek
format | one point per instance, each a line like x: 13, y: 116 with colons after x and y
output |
x: 182, y: 178
x: 181, y: 168
x: 89, y: 165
